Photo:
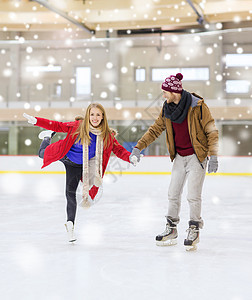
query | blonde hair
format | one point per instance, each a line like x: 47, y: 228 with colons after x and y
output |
x: 82, y: 131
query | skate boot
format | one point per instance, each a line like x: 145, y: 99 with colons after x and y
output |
x: 192, y: 239
x: 46, y: 134
x: 70, y: 230
x: 169, y: 236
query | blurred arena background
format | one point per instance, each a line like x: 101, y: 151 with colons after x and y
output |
x: 58, y: 56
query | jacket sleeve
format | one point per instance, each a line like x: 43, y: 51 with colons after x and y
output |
x: 120, y: 151
x: 54, y: 125
x: 210, y: 130
x: 152, y: 133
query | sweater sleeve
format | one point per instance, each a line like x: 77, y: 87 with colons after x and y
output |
x: 152, y: 133
x: 54, y: 125
x: 120, y: 151
x: 210, y: 130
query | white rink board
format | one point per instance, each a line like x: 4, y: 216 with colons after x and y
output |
x: 227, y: 164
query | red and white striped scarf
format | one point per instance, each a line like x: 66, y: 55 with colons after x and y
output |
x: 98, y: 166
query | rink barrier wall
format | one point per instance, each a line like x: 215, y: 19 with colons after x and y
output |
x: 149, y: 165
x: 123, y: 173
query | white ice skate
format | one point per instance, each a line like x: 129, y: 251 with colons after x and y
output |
x: 70, y: 231
x: 45, y: 133
x: 169, y: 236
x: 192, y: 239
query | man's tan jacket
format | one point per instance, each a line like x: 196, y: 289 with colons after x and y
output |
x: 202, y: 130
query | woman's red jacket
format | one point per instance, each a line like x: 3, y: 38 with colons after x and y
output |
x: 58, y: 150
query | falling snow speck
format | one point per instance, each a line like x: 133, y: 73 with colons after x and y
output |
x: 237, y: 101
x: 39, y: 86
x: 219, y: 77
x: 37, y: 108
x: 138, y: 115
x: 29, y: 49
x: 28, y: 142
x: 209, y: 50
x: 124, y: 70
x: 27, y: 105
x: 57, y: 116
x: 104, y: 95
x: 118, y: 106
x: 167, y: 56
x: 109, y: 65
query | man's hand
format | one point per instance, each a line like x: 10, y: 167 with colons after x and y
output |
x: 213, y: 164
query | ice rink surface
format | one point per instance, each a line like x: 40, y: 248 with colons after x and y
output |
x: 115, y: 256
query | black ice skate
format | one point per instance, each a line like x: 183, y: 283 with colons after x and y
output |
x: 193, y: 236
x: 169, y: 236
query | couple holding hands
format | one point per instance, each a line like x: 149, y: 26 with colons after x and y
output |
x: 191, y: 137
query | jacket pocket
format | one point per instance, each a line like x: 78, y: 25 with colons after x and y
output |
x: 202, y: 140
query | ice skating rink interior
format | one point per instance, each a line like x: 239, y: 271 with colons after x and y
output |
x: 56, y: 57
x: 115, y: 256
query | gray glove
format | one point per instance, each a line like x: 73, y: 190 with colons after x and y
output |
x: 134, y: 156
x: 213, y: 164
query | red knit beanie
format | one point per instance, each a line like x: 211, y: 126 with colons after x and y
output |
x: 173, y: 84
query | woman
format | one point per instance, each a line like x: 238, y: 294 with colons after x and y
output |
x: 85, y: 153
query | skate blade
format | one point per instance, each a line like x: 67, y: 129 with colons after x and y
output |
x: 166, y: 243
x: 72, y: 240
x: 191, y: 248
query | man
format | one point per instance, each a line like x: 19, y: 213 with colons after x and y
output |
x: 191, y: 136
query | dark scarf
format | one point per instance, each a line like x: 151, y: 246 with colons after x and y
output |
x: 178, y: 112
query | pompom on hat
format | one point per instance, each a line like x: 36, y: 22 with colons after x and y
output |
x: 173, y: 84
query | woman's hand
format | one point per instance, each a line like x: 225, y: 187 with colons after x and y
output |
x: 32, y: 120
x: 135, y: 156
